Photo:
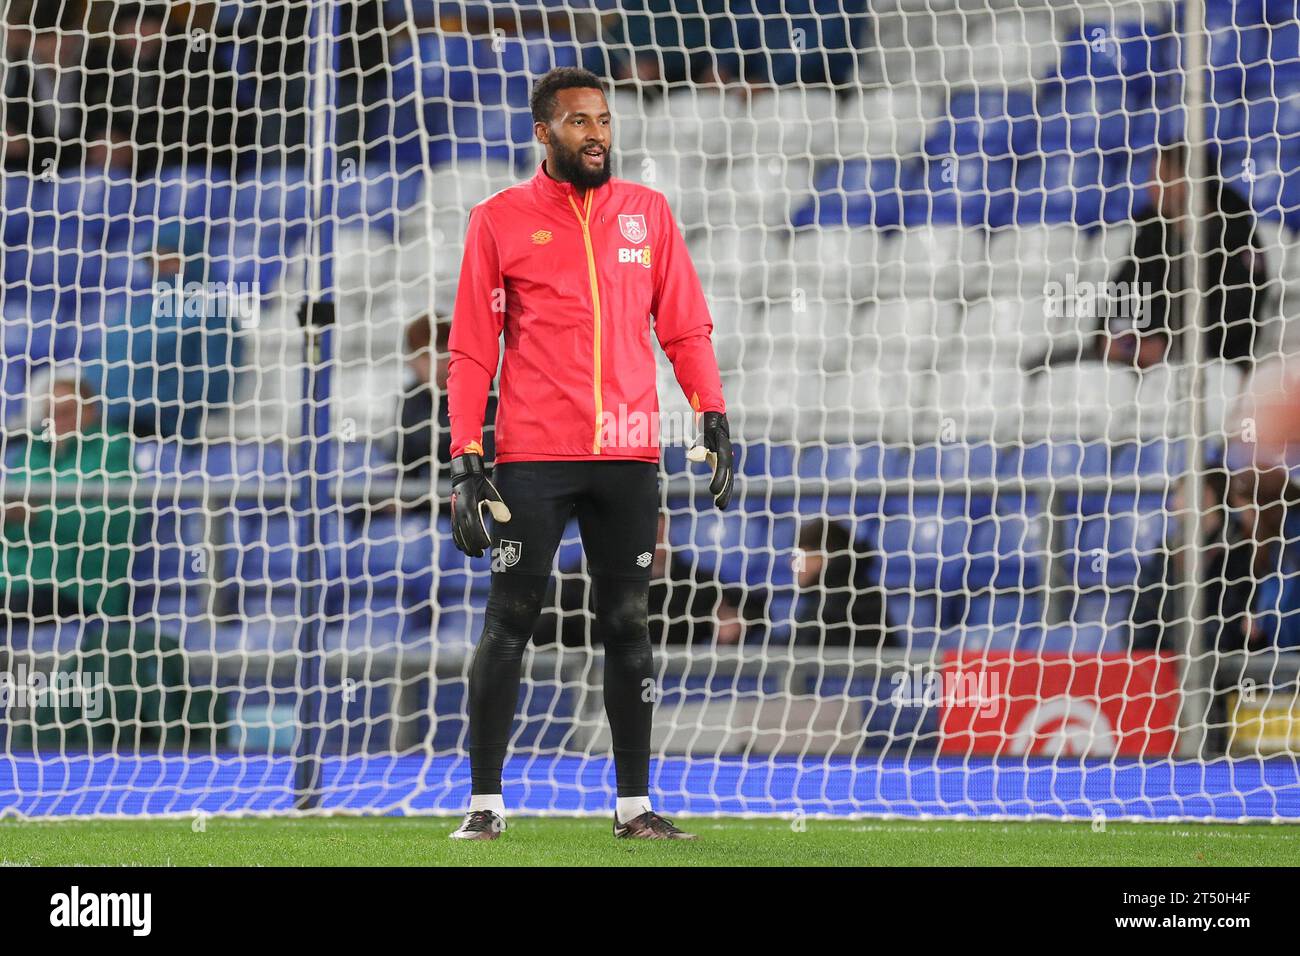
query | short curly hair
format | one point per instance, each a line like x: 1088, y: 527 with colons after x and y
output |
x: 542, y: 101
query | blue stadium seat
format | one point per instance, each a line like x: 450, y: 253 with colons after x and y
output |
x: 375, y: 549
x: 26, y: 201
x: 854, y: 193
x: 1278, y: 69
x: 280, y: 196
x: 674, y: 459
x: 1059, y: 188
x: 459, y: 576
x: 1154, y: 457
x: 364, y: 459
x: 923, y: 206
x: 13, y: 383
x: 953, y: 461
x: 546, y: 53
x: 1006, y: 552
x: 1055, y: 459
x: 263, y: 459
x: 764, y: 32
x: 196, y: 460
x: 924, y: 541
x: 28, y: 336
x: 961, y: 190
x: 837, y: 462
x: 1108, y: 536
x: 816, y: 503
x: 502, y: 65
x: 766, y: 557
x: 1007, y: 612
x: 62, y: 639
x: 916, y: 616
x: 376, y: 197
x: 1078, y: 639
x: 763, y: 460
x: 715, y: 539
x: 989, y: 121
x: 262, y: 549
x: 444, y: 60
x: 260, y: 251
x: 81, y: 204
x: 896, y: 463
x: 1129, y: 53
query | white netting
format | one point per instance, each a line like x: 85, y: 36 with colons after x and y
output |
x: 956, y: 576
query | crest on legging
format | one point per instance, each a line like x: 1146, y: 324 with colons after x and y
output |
x: 510, y: 552
x: 632, y: 227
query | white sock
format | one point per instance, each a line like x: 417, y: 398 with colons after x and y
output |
x: 488, y: 801
x: 631, y: 807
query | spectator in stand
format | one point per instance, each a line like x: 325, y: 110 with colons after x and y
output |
x: 174, y: 87
x: 169, y: 359
x: 17, y: 144
x: 65, y: 558
x: 45, y: 90
x: 1249, y: 580
x: 687, y: 605
x: 425, y: 401
x: 639, y: 72
x: 1140, y: 324
x: 109, y: 152
x: 1226, y: 573
x: 840, y: 599
x: 1250, y: 571
x: 1270, y: 516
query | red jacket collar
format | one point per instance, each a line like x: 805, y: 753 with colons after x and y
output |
x: 553, y: 188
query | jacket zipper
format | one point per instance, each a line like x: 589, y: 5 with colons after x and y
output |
x: 584, y: 221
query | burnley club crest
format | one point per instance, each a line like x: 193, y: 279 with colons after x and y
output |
x: 508, y: 553
x: 632, y: 227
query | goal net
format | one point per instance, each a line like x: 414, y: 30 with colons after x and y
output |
x: 999, y: 290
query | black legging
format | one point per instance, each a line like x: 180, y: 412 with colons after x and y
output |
x: 513, y: 607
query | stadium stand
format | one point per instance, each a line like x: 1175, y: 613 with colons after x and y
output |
x: 876, y: 229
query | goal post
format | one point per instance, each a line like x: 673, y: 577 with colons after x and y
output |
x: 1004, y: 542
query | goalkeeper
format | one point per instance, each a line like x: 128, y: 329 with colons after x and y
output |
x: 570, y: 266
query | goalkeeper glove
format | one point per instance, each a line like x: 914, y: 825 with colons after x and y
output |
x: 715, y: 448
x: 471, y: 491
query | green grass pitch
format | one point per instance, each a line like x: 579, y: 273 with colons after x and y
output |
x: 422, y: 841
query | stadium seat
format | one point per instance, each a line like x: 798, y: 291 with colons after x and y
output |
x: 765, y: 460
x: 841, y: 462
x: 924, y: 541
x: 1008, y: 613
x: 990, y: 121
x: 1078, y: 639
x: 715, y: 543
x: 770, y: 47
x: 854, y: 193
x: 1108, y: 536
x: 1131, y: 52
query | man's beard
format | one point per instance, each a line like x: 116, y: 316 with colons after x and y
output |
x: 568, y: 163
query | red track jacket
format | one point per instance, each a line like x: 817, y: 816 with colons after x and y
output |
x: 572, y: 280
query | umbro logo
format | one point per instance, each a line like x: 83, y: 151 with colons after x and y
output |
x: 643, y: 559
x: 541, y: 237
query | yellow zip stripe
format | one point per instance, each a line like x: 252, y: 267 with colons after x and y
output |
x: 584, y: 221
